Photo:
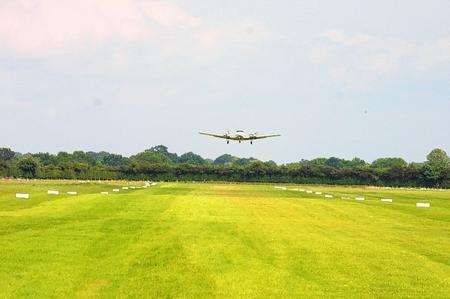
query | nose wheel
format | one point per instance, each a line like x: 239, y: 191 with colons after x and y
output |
x: 251, y: 142
x: 228, y: 141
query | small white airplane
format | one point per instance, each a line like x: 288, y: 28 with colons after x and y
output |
x: 239, y: 136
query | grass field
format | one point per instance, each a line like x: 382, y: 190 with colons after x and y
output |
x: 222, y: 240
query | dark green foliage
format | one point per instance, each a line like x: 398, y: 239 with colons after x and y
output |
x: 191, y: 158
x: 157, y: 163
x: 46, y: 158
x: 437, y: 167
x: 6, y: 154
x: 334, y: 162
x: 383, y: 163
x: 245, y: 161
x: 319, y: 161
x: 82, y: 157
x: 63, y: 157
x: 114, y: 160
x: 150, y: 157
x: 225, y: 159
x: 28, y: 166
x: 356, y: 162
x: 163, y: 150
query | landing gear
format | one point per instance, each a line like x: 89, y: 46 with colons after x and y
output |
x: 239, y: 141
x: 228, y: 141
x: 251, y: 142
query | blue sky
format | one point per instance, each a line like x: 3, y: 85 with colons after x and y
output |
x: 343, y: 79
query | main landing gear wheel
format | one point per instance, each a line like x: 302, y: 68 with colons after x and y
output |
x: 228, y: 141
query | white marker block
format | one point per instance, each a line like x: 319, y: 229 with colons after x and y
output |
x: 154, y: 184
x: 104, y: 193
x: 328, y: 196
x: 116, y: 190
x: 423, y: 205
x: 309, y: 191
x: 23, y: 195
x: 52, y: 192
x: 72, y: 193
x: 386, y: 200
x: 132, y: 187
x: 360, y: 198
x: 301, y: 190
x: 125, y: 188
x: 295, y: 189
x: 145, y: 186
x: 318, y: 193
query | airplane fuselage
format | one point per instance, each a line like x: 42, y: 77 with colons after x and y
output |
x: 240, y: 136
x: 237, y: 137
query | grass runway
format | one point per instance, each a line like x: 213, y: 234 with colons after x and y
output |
x: 221, y: 240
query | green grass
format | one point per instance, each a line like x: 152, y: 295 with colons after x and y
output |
x: 221, y: 240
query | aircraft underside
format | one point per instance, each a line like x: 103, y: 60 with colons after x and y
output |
x: 239, y: 139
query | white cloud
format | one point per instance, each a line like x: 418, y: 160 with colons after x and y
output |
x: 237, y: 32
x: 434, y: 55
x: 48, y: 28
x: 341, y: 38
x: 169, y: 15
x: 360, y: 60
x: 39, y: 27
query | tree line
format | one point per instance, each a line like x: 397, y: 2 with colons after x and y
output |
x: 157, y: 163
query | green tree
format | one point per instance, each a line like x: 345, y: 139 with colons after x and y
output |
x: 163, y: 150
x: 255, y: 169
x: 356, y: 162
x: 82, y: 157
x: 244, y: 161
x: 45, y: 158
x: 63, y: 158
x: 28, y: 166
x: 225, y: 159
x: 191, y: 158
x: 151, y: 157
x: 114, y: 160
x: 270, y: 164
x: 318, y: 161
x: 382, y: 163
x: 6, y: 154
x: 335, y: 162
x: 4, y: 168
x: 436, y: 169
x: 98, y: 157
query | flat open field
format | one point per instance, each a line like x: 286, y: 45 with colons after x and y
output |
x: 222, y: 240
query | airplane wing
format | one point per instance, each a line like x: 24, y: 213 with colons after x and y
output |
x: 265, y: 136
x: 214, y: 135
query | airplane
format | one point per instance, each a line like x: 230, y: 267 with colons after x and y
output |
x: 239, y: 136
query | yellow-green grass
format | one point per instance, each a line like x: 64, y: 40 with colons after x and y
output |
x: 221, y: 240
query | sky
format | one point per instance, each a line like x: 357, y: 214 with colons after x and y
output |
x: 346, y: 78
